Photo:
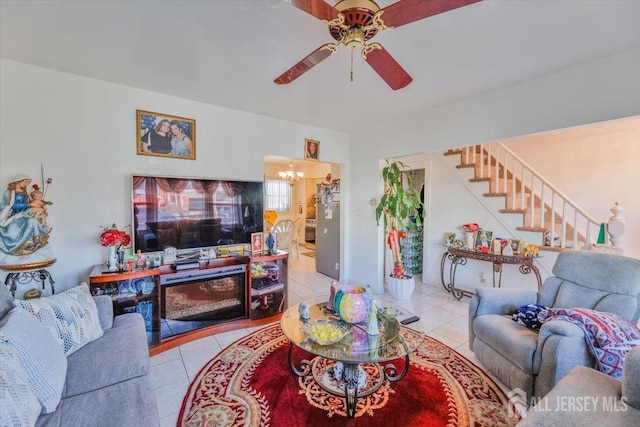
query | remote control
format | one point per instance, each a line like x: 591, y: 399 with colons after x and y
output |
x: 410, y: 320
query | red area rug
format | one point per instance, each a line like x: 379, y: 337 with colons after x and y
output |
x: 250, y: 384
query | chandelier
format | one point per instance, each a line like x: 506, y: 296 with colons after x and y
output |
x: 291, y: 176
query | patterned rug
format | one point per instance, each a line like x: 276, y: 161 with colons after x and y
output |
x: 250, y: 384
x: 311, y: 254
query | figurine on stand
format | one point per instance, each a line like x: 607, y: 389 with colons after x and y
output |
x: 140, y: 261
x: 303, y: 309
x: 270, y: 242
x: 332, y: 295
x: 372, y: 324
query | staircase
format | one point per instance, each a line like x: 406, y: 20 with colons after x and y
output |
x: 544, y: 209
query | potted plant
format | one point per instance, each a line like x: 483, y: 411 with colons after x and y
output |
x: 400, y: 206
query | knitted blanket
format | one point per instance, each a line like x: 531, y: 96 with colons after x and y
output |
x: 609, y: 337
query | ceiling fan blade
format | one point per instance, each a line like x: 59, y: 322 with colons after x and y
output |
x: 407, y: 11
x: 388, y: 68
x: 310, y: 61
x: 318, y: 8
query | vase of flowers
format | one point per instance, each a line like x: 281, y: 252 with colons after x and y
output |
x: 470, y: 231
x: 114, y: 240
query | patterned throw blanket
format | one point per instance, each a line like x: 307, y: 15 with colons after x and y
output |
x: 609, y: 337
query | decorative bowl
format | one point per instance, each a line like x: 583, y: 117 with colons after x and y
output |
x: 352, y: 303
x: 325, y: 331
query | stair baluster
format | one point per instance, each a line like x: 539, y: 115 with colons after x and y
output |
x: 555, y: 207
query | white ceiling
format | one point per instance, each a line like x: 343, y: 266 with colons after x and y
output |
x: 227, y: 53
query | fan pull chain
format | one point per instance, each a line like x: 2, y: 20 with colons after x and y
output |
x: 352, y: 66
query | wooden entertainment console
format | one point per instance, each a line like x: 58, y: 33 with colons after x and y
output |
x: 265, y: 295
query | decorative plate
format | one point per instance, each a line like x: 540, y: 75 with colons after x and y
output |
x: 325, y: 331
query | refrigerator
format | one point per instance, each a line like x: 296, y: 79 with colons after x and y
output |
x: 328, y: 229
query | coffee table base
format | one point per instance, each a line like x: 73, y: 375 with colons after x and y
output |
x: 351, y: 385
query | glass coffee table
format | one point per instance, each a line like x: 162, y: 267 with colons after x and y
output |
x: 340, y: 367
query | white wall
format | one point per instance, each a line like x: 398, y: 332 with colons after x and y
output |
x: 84, y: 132
x: 601, y: 90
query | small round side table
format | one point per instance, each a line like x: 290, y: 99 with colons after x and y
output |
x: 26, y: 273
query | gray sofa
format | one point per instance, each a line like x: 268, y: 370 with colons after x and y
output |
x: 107, y: 380
x: 588, y: 397
x: 535, y: 361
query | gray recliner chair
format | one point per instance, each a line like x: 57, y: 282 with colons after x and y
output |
x: 534, y: 361
x: 588, y: 397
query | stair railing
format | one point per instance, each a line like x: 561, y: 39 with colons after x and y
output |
x: 528, y: 191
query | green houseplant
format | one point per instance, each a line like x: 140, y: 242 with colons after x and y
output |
x: 400, y: 206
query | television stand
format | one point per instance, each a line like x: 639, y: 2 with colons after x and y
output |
x: 141, y: 291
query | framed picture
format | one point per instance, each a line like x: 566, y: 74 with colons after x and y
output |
x: 163, y: 135
x: 257, y: 243
x: 449, y: 239
x: 311, y: 149
x: 483, y: 239
x: 515, y: 246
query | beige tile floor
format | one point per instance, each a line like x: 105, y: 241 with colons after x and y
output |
x: 442, y: 316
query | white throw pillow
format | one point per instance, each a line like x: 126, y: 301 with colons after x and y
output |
x: 19, y: 406
x: 39, y: 355
x: 71, y: 316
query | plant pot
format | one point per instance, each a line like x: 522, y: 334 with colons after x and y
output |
x: 401, y: 289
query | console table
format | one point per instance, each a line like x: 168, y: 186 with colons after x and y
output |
x: 460, y: 256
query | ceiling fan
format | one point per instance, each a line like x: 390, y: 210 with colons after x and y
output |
x: 353, y: 22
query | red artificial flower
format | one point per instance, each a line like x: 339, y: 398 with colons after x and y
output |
x: 471, y: 227
x: 35, y: 187
x: 398, y: 271
x: 114, y: 237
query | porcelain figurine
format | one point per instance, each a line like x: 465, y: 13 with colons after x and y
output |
x: 270, y: 242
x: 24, y: 229
x: 303, y: 309
x: 372, y: 323
x: 332, y: 295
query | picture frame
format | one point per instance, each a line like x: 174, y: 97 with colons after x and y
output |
x: 515, y: 246
x: 257, y: 243
x: 484, y: 239
x: 164, y: 135
x: 449, y: 239
x: 311, y: 149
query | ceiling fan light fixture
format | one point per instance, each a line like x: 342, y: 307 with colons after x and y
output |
x: 354, y: 39
x: 291, y: 176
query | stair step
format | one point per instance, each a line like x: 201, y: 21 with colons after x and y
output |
x: 510, y: 203
x: 509, y: 189
x: 534, y: 229
x: 553, y: 248
x: 453, y: 152
x: 473, y: 157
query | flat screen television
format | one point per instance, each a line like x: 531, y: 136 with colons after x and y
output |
x: 193, y: 213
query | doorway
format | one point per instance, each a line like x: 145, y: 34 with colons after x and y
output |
x: 307, y: 203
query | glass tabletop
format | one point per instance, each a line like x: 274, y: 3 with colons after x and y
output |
x: 393, y: 341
